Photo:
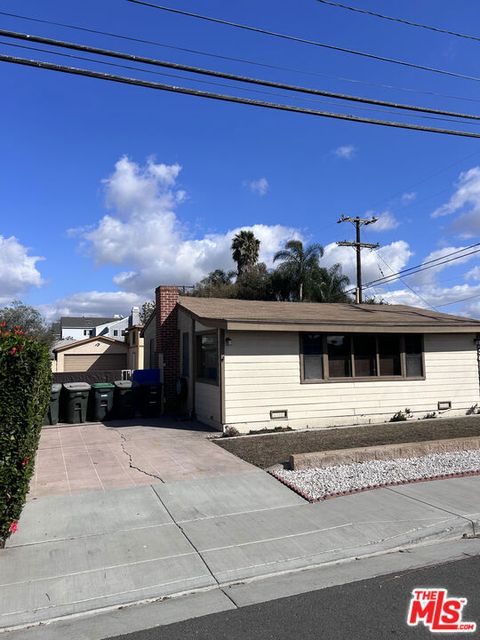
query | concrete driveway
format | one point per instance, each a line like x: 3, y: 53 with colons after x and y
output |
x: 102, y: 456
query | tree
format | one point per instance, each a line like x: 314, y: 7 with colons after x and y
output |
x: 331, y: 285
x: 146, y: 310
x: 30, y: 320
x: 299, y: 269
x: 245, y: 251
x: 255, y: 284
x: 218, y: 284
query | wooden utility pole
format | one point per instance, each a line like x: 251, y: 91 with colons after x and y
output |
x: 358, y: 245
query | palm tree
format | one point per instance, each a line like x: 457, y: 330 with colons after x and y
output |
x: 331, y: 286
x: 299, y: 266
x: 245, y: 250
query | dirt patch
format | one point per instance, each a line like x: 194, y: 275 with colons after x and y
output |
x: 276, y: 448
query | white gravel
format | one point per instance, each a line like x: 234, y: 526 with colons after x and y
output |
x: 321, y: 482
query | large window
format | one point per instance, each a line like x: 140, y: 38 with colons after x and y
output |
x: 330, y: 357
x: 207, y: 357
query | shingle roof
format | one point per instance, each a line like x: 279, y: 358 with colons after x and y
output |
x: 83, y: 322
x: 278, y: 316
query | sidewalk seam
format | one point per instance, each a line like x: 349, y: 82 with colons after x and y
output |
x: 197, y: 551
x: 435, y: 506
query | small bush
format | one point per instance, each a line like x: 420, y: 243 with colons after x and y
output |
x: 231, y: 432
x: 401, y: 416
x: 25, y: 385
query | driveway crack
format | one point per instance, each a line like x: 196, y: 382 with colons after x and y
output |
x: 131, y: 464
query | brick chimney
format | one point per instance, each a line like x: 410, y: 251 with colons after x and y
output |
x: 168, y: 346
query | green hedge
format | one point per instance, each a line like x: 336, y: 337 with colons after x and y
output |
x: 25, y: 386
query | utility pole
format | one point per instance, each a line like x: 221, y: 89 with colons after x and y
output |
x: 358, y: 245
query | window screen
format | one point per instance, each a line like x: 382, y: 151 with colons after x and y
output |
x: 207, y: 357
x: 413, y: 356
x: 312, y: 349
x: 365, y: 355
x: 339, y: 356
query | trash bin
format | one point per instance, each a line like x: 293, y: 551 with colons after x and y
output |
x: 150, y: 399
x: 124, y: 399
x: 54, y: 408
x: 76, y: 401
x: 102, y: 401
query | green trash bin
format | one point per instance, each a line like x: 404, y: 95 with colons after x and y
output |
x: 54, y: 408
x: 76, y: 401
x: 102, y: 401
x: 124, y: 399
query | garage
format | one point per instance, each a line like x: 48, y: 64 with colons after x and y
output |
x: 92, y: 354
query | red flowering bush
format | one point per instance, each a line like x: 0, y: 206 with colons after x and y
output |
x: 25, y: 385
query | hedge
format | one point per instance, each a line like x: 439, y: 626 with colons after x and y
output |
x: 25, y: 386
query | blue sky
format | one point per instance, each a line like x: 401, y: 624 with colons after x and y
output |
x: 109, y: 190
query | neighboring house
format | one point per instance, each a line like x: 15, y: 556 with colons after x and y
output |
x: 149, y: 335
x: 92, y: 354
x: 134, y: 340
x: 255, y: 365
x: 113, y: 329
x: 82, y: 327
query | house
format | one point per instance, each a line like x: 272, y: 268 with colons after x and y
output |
x: 149, y: 336
x: 134, y: 340
x: 255, y: 365
x: 82, y: 327
x: 92, y: 354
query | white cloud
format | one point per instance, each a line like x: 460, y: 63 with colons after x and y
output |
x: 346, y: 151
x: 93, y: 303
x: 408, y: 197
x: 466, y: 203
x: 473, y: 274
x: 385, y: 222
x: 18, y: 269
x: 143, y: 234
x: 260, y: 186
x: 395, y: 254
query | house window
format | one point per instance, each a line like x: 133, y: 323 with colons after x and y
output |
x: 333, y: 357
x: 207, y: 357
x: 115, y: 332
x: 132, y: 338
x: 185, y: 354
x: 313, y: 356
x: 86, y: 332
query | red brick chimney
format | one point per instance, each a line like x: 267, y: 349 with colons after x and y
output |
x: 168, y: 344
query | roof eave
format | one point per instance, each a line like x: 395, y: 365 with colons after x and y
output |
x: 253, y: 325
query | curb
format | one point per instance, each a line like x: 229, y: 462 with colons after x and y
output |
x: 339, y: 494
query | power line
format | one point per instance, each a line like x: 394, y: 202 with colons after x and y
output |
x: 227, y: 98
x: 314, y: 43
x: 358, y: 245
x: 437, y: 262
x: 447, y: 304
x: 409, y: 23
x: 431, y: 306
x: 228, y: 76
x: 247, y: 61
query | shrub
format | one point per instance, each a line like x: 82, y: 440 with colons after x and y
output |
x: 401, y: 416
x: 231, y: 432
x: 25, y: 379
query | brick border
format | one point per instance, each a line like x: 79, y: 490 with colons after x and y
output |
x: 329, y: 496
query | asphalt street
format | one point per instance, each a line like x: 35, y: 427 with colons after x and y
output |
x: 370, y: 609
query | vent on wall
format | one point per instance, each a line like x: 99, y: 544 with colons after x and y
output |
x: 443, y: 406
x: 278, y: 414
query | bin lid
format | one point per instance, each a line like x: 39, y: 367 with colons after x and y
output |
x: 146, y: 376
x: 102, y: 385
x: 56, y: 387
x: 77, y: 386
x: 123, y: 384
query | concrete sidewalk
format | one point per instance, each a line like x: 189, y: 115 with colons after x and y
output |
x: 100, y: 550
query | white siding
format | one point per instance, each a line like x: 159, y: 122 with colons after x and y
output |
x: 262, y: 373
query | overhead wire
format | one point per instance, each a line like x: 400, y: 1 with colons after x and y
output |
x: 301, y: 40
x: 410, y: 23
x: 232, y: 99
x: 246, y: 61
x: 228, y: 76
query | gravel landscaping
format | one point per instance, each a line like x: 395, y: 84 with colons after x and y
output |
x: 318, y: 484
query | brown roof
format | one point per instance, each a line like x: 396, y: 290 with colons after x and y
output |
x: 292, y: 316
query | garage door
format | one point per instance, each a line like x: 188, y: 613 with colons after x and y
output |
x: 106, y: 362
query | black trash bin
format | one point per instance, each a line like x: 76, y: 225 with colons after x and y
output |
x: 124, y: 399
x: 102, y: 401
x: 54, y: 408
x: 75, y: 401
x: 150, y: 399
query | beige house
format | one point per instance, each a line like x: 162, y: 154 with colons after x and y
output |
x: 255, y: 365
x: 149, y: 335
x: 134, y: 340
x: 93, y: 354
